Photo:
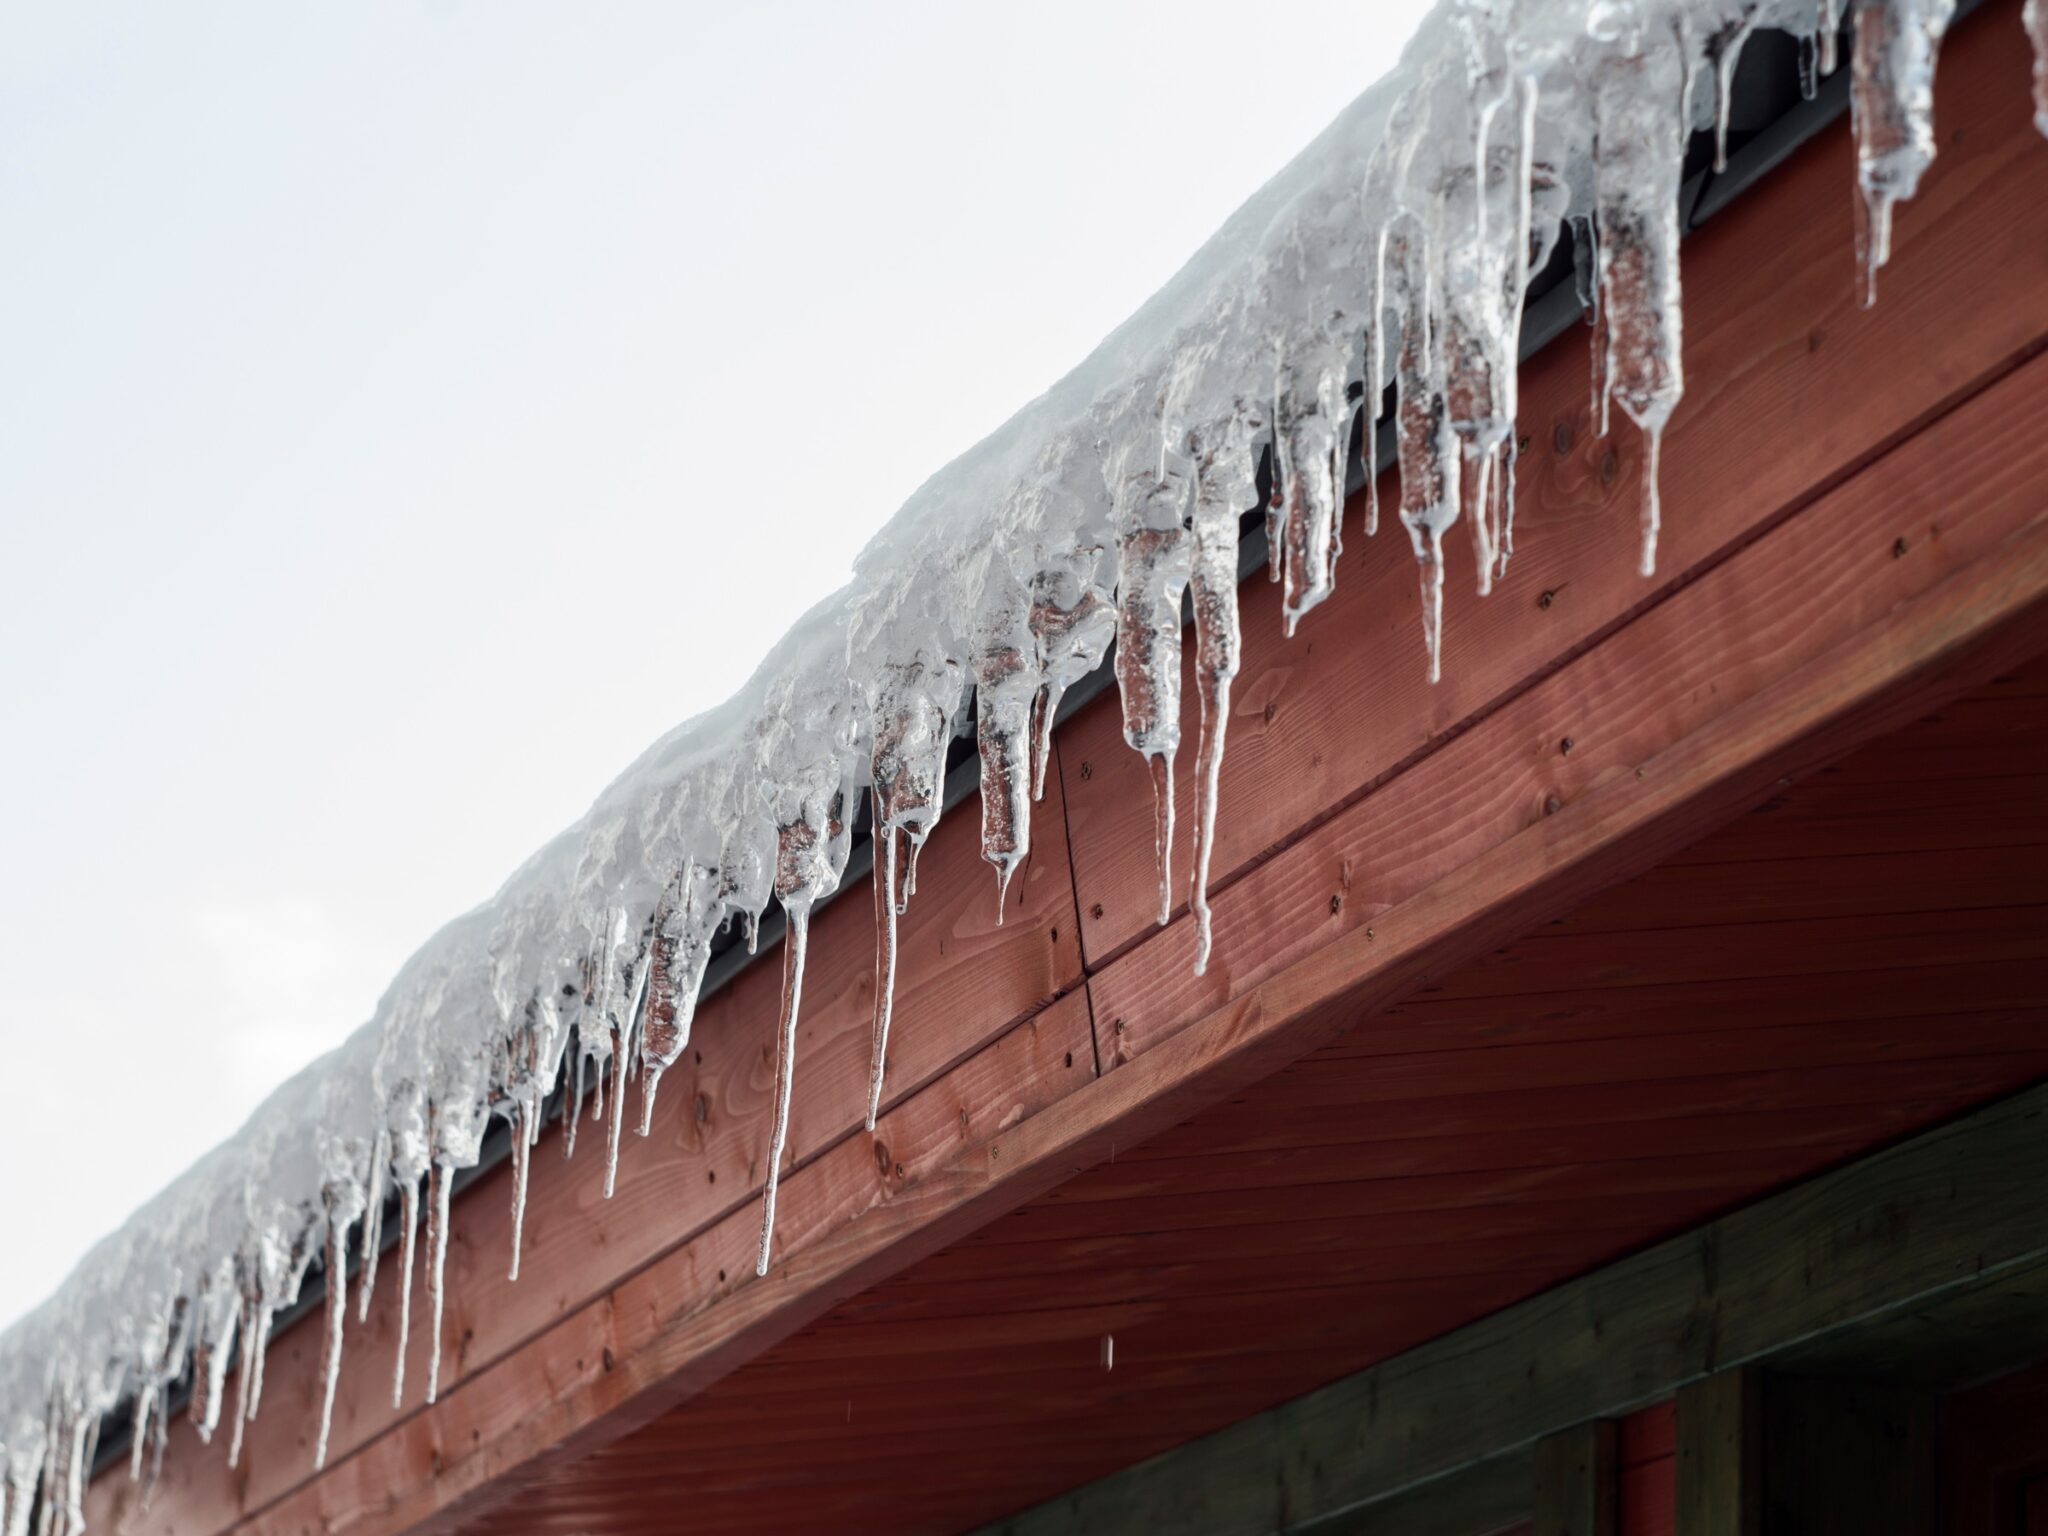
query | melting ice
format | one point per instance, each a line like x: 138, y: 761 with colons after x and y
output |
x: 1393, y: 251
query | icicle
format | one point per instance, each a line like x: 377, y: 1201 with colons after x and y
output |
x: 888, y: 876
x: 793, y: 944
x: 1827, y: 36
x: 409, y: 1220
x: 910, y: 709
x: 611, y: 1152
x: 1152, y: 571
x: 1427, y: 446
x: 1003, y: 691
x: 1072, y: 619
x: 1891, y: 101
x: 216, y: 1336
x: 252, y: 1354
x: 1586, y: 270
x: 1375, y: 380
x: 522, y: 1161
x: 814, y: 818
x: 1636, y: 169
x: 1514, y: 279
x: 84, y: 1433
x: 623, y: 1019
x: 910, y: 872
x: 1476, y: 292
x: 373, y: 1220
x: 1311, y: 434
x: 1727, y: 50
x: 1224, y: 488
x: 159, y: 1439
x: 336, y: 1309
x: 572, y: 1112
x: 665, y: 1026
x: 811, y: 840
x: 439, y: 1176
x: 2036, y: 16
x: 1045, y: 703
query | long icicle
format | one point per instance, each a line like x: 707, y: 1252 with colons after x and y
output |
x: 438, y: 1178
x: 888, y: 877
x: 1212, y: 580
x: 373, y: 1220
x: 793, y: 945
x: 337, y: 1311
x: 409, y: 1221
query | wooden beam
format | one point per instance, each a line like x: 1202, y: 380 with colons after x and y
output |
x: 1483, y: 1500
x: 1577, y: 1478
x: 1937, y: 1217
x: 1720, y: 1455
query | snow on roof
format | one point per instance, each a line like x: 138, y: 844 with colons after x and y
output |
x: 1394, y: 248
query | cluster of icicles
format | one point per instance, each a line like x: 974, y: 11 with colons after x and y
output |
x: 1394, y: 249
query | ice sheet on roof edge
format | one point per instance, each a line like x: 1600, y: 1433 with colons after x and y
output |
x: 1394, y: 248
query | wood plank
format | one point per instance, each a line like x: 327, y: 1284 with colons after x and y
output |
x: 1823, y: 811
x: 1788, y: 597
x: 1491, y: 1499
x: 1962, y: 1204
x: 1577, y: 1481
x: 1649, y: 1498
x: 1434, y: 1021
x: 1551, y: 961
x: 1719, y: 1471
x: 1772, y: 327
x: 1520, y: 1125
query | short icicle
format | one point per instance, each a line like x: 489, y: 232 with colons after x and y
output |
x: 1727, y: 48
x: 1891, y: 108
x: 1004, y: 689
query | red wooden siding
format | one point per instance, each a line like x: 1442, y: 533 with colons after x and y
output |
x: 1649, y: 1466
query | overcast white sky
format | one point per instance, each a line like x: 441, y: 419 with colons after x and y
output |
x: 409, y: 410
